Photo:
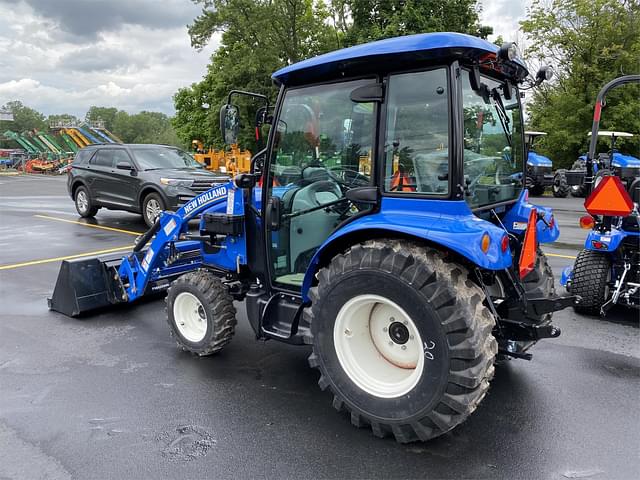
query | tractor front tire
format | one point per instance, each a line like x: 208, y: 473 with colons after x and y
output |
x: 200, y: 313
x: 560, y: 186
x: 535, y: 189
x: 402, y: 339
x: 591, y: 277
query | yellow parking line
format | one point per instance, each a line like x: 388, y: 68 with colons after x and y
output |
x: 558, y: 255
x: 68, y: 257
x: 112, y: 229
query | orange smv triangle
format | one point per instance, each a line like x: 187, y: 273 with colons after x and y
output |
x: 529, y: 246
x: 609, y: 198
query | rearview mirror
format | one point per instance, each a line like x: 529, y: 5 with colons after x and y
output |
x: 229, y: 123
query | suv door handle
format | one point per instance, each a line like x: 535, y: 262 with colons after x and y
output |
x: 272, y: 213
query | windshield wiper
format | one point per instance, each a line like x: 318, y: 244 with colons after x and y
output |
x: 502, y: 114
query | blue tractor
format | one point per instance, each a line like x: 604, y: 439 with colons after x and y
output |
x: 385, y: 224
x: 613, y: 162
x: 539, y: 170
x: 607, y: 271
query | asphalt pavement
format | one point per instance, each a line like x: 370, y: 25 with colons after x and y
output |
x: 110, y: 396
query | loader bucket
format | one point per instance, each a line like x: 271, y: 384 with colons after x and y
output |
x: 84, y: 285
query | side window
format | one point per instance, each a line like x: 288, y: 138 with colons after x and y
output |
x: 120, y: 156
x: 416, y: 157
x: 103, y: 158
x: 82, y: 157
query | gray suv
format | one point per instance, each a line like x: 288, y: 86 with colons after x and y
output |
x: 139, y: 178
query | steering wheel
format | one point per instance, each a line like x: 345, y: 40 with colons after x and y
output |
x: 347, y: 177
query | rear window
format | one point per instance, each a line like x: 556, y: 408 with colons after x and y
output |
x: 83, y: 156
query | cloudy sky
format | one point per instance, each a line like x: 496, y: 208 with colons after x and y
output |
x: 62, y: 56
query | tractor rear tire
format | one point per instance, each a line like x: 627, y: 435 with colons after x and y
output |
x: 591, y: 277
x: 539, y: 282
x: 200, y: 313
x: 560, y: 186
x: 380, y: 297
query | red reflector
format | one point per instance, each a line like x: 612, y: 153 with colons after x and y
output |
x: 599, y: 245
x: 552, y: 222
x: 504, y: 244
x: 587, y: 222
x: 609, y: 198
x: 529, y: 246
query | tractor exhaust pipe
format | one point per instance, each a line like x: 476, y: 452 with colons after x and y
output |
x: 86, y: 284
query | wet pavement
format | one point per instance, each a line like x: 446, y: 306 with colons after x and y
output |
x: 110, y: 396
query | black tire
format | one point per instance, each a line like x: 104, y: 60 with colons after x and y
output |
x: 599, y: 176
x: 84, y: 204
x: 591, y: 277
x: 451, y: 315
x: 560, y: 186
x: 146, y: 214
x: 539, y: 282
x: 219, y: 312
x: 534, y: 188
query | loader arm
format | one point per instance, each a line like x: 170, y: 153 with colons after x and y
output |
x: 159, y: 260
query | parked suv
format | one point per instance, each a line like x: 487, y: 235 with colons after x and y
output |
x: 139, y: 178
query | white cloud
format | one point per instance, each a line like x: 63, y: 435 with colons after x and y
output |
x: 504, y: 16
x: 135, y: 56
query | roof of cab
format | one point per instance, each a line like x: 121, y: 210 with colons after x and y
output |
x: 354, y: 60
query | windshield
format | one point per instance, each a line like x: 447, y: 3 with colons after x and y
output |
x: 156, y: 158
x: 493, y: 150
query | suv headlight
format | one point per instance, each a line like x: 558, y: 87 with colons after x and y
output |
x: 176, y: 182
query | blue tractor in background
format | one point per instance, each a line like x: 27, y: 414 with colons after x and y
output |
x: 384, y: 223
x: 539, y: 172
x: 613, y: 162
x: 607, y: 271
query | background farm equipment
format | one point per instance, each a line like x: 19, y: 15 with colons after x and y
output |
x: 539, y: 171
x: 607, y: 271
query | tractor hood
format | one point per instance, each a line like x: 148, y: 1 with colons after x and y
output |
x: 624, y: 161
x: 536, y: 160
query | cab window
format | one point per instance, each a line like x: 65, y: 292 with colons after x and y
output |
x: 416, y: 153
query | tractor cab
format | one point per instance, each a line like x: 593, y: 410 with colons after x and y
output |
x: 539, y: 170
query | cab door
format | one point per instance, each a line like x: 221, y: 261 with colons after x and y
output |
x: 321, y: 148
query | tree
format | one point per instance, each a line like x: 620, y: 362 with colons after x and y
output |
x: 104, y: 114
x: 24, y: 118
x: 589, y: 42
x: 261, y: 36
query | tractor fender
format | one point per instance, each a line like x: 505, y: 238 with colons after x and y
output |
x: 611, y: 239
x: 516, y: 219
x: 451, y: 225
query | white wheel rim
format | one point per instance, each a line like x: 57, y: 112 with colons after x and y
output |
x: 82, y: 201
x: 153, y: 209
x: 378, y: 346
x: 190, y: 317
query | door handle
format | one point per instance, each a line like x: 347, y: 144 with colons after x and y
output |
x: 273, y: 213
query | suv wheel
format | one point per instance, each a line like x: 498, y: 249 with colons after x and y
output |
x: 152, y: 206
x: 84, y: 206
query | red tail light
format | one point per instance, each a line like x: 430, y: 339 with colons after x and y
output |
x: 529, y: 246
x: 609, y: 198
x: 587, y: 222
x: 504, y: 244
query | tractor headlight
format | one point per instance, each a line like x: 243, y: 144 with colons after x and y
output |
x: 508, y: 51
x: 176, y: 182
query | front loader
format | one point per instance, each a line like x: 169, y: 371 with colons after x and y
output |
x: 384, y: 224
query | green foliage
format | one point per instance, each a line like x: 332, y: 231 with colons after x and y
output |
x: 260, y: 36
x: 105, y: 114
x: 589, y: 42
x: 144, y: 127
x: 24, y: 118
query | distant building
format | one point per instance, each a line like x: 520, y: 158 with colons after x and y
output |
x: 6, y: 116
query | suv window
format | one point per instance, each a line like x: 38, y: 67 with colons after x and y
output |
x: 103, y: 158
x: 83, y: 156
x: 120, y: 156
x: 416, y: 153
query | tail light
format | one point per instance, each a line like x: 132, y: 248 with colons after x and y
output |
x: 504, y: 244
x: 587, y: 222
x: 529, y: 246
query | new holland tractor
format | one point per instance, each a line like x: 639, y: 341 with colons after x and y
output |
x: 385, y: 224
x: 539, y: 170
x: 607, y: 271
